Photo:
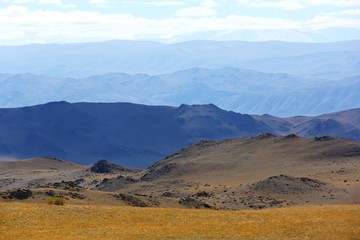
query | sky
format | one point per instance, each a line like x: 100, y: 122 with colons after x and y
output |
x: 63, y: 21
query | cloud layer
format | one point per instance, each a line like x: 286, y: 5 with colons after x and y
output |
x: 21, y: 23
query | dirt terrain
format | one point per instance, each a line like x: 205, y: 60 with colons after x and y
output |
x: 246, y: 173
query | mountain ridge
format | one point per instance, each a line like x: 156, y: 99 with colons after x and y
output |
x: 138, y: 135
x: 236, y: 89
x: 59, y: 60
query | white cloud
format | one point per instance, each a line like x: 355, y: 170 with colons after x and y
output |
x: 298, y: 4
x: 351, y: 12
x: 98, y: 2
x: 208, y: 3
x: 337, y: 3
x: 195, y: 12
x: 326, y: 21
x: 166, y: 3
x: 286, y: 5
x: 204, y: 10
x: 348, y: 12
x: 19, y: 23
x: 21, y: 1
x: 68, y: 6
x: 51, y: 2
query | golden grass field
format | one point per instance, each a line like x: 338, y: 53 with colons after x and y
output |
x: 42, y: 221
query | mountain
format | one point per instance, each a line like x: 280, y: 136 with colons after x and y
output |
x: 235, y: 89
x: 340, y: 124
x: 85, y: 59
x: 138, y: 135
x: 129, y: 134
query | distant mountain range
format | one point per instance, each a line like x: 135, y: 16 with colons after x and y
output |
x: 233, y: 89
x: 273, y: 77
x: 138, y: 135
x: 322, y: 60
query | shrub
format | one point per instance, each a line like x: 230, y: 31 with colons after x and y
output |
x: 55, y: 200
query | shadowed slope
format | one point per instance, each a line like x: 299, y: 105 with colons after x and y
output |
x: 124, y: 133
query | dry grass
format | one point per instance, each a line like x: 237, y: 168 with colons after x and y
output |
x: 55, y: 201
x: 41, y: 221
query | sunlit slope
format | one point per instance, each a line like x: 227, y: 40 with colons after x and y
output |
x: 245, y: 160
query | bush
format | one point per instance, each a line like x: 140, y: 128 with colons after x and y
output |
x: 55, y: 200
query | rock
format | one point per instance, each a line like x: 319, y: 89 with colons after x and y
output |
x: 203, y: 194
x: 102, y: 166
x: 20, y: 194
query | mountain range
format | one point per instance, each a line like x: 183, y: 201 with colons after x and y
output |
x: 138, y: 135
x: 322, y: 60
x: 235, y: 89
x: 273, y: 77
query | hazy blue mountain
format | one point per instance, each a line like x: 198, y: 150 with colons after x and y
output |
x: 86, y: 59
x: 235, y: 89
x: 124, y: 133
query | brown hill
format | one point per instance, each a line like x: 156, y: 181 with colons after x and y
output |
x: 40, y: 163
x: 245, y: 160
x: 253, y: 172
x: 42, y: 170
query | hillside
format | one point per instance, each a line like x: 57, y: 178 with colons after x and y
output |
x: 245, y: 173
x: 255, y: 172
x: 39, y: 171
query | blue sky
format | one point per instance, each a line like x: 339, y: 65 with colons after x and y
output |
x: 63, y: 21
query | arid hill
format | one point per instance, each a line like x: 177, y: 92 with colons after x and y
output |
x: 252, y: 172
x: 257, y: 171
x: 34, y: 172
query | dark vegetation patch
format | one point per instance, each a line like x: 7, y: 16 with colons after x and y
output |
x: 131, y: 200
x: 284, y: 184
x: 261, y: 202
x: 113, y: 184
x: 190, y: 202
x: 69, y: 185
x: 19, y: 194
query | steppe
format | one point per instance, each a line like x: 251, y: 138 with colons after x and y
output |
x: 263, y: 187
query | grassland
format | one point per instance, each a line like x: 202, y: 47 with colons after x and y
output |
x: 42, y: 221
